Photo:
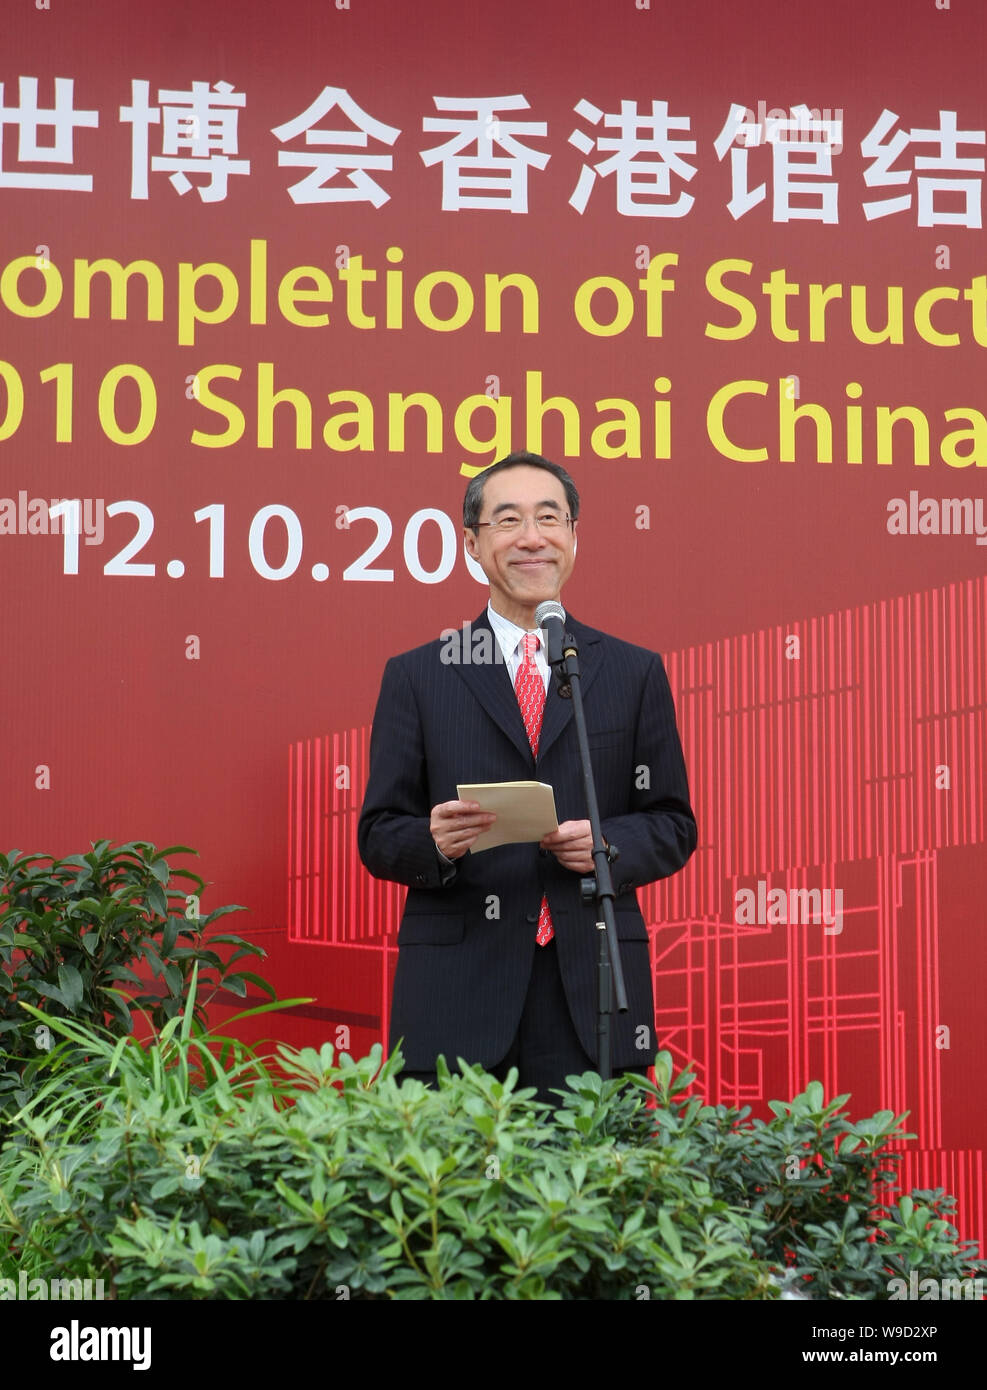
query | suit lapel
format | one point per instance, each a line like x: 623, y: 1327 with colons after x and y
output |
x: 491, y: 684
x: 558, y: 712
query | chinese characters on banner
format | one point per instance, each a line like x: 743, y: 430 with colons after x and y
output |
x: 644, y: 162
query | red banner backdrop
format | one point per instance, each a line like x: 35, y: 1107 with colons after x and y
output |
x: 274, y: 283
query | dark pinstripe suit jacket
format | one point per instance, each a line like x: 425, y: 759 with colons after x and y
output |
x: 462, y: 972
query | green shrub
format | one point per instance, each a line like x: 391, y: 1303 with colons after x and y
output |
x: 73, y: 934
x: 194, y: 1168
x: 823, y: 1187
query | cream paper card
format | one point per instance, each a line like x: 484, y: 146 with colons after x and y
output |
x: 525, y: 812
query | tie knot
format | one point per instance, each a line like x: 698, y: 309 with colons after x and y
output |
x: 531, y: 645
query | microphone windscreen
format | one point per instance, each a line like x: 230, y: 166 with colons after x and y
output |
x: 551, y: 608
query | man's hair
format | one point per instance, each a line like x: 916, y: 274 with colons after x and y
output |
x: 473, y: 501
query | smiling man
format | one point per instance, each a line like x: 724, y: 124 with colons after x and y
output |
x: 497, y: 950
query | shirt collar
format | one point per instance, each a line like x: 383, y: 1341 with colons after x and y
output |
x: 508, y: 634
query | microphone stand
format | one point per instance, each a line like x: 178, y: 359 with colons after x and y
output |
x: 609, y: 970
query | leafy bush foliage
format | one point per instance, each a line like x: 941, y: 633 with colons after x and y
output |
x: 195, y: 1168
x: 73, y: 934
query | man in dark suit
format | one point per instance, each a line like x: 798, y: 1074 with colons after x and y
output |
x: 497, y: 949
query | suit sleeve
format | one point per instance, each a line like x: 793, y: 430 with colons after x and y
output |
x: 659, y: 834
x: 393, y: 835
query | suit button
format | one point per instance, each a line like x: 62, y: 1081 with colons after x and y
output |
x: 532, y: 917
x: 420, y: 878
x: 543, y: 853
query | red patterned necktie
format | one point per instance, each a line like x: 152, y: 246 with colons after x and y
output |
x: 530, y: 691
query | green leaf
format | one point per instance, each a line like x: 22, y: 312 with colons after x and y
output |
x: 173, y: 979
x: 253, y: 979
x: 157, y: 898
x: 70, y: 983
x: 52, y: 992
x: 814, y: 1095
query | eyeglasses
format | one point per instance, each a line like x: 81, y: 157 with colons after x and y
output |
x: 510, y: 524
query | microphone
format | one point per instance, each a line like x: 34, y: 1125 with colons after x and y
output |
x: 550, y: 617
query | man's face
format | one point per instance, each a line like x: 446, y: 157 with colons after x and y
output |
x: 528, y: 565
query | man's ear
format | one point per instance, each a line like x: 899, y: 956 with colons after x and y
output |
x: 469, y: 540
x: 575, y: 545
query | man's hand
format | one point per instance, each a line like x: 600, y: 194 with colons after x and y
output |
x: 456, y: 824
x: 572, y: 845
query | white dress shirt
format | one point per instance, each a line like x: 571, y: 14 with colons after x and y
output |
x: 510, y: 638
